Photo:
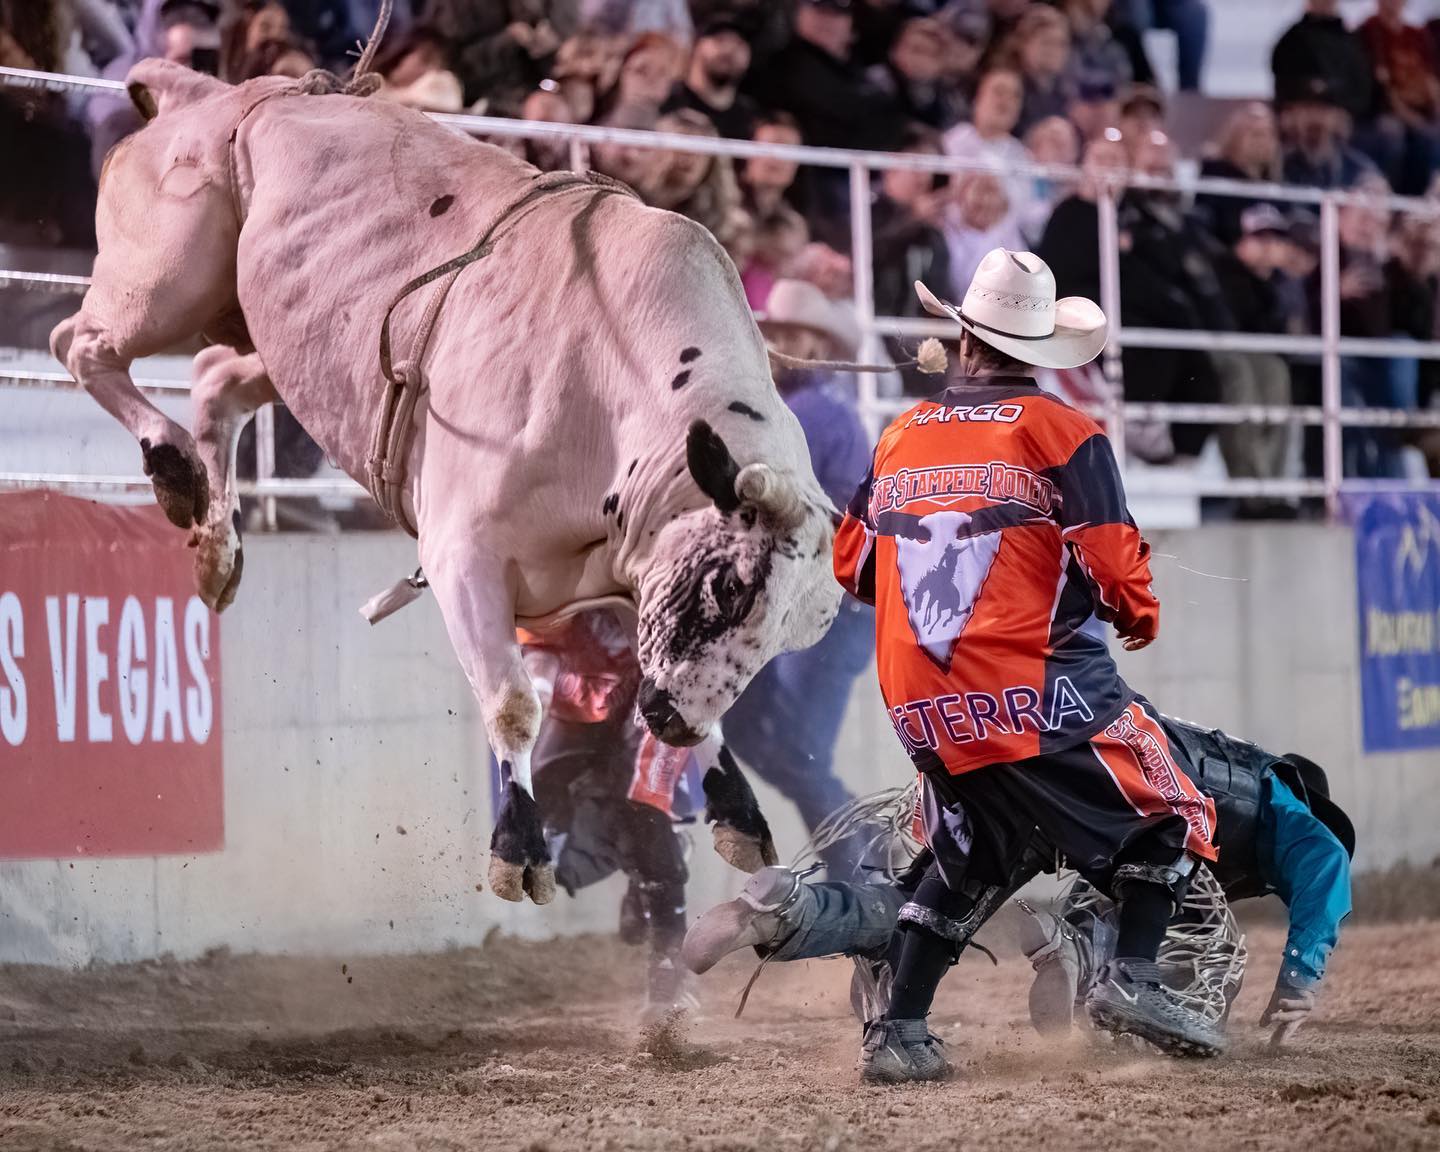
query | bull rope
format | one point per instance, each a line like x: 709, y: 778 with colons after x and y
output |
x: 385, y: 469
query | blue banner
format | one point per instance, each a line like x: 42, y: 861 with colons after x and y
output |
x: 1397, y: 574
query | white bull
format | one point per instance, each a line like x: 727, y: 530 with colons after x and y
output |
x: 598, y: 417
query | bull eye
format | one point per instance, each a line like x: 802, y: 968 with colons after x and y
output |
x: 729, y: 592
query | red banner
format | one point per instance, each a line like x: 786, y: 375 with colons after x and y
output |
x: 109, y: 685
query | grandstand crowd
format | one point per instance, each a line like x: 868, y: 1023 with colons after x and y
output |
x: 1002, y: 83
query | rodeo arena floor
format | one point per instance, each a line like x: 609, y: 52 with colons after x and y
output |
x: 535, y: 1046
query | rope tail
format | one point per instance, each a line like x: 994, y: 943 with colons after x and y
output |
x: 382, y: 21
x: 929, y: 358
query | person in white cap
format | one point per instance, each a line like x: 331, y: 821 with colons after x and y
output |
x: 991, y: 527
x: 787, y: 722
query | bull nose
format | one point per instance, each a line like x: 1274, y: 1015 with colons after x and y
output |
x: 663, y: 718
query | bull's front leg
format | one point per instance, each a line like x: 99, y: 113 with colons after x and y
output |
x: 228, y: 387
x: 476, y: 598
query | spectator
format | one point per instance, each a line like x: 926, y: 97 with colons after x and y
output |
x: 1094, y: 109
x: 906, y: 220
x: 1142, y: 113
x: 968, y: 36
x: 1189, y: 20
x: 56, y: 204
x: 585, y: 66
x: 256, y: 23
x: 1404, y: 66
x: 278, y: 58
x: 1416, y: 277
x: 718, y: 63
x: 416, y: 73
x: 780, y: 238
x: 1373, y: 287
x: 668, y: 18
x: 500, y: 50
x: 1248, y: 275
x: 1316, y: 153
x: 1071, y: 241
x: 740, y: 230
x: 765, y: 179
x: 1167, y: 280
x: 1248, y: 149
x: 1039, y: 49
x: 325, y: 26
x: 786, y: 724
x: 693, y: 184
x: 1052, y: 141
x: 979, y: 219
x: 988, y: 139
x: 1318, y: 47
x: 547, y: 106
x: 648, y: 72
x: 815, y: 79
x: 831, y: 272
x: 913, y: 74
x: 1097, y: 61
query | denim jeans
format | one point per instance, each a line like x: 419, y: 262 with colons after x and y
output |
x: 1374, y: 453
x: 1188, y: 19
x: 785, y: 725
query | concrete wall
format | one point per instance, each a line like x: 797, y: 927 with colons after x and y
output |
x: 337, y: 736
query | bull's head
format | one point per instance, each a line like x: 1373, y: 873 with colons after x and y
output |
x: 729, y: 587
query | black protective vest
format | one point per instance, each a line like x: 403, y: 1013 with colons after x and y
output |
x: 1230, y: 772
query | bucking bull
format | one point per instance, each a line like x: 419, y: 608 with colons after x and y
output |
x: 585, y: 409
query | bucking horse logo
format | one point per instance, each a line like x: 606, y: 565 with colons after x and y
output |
x: 941, y: 577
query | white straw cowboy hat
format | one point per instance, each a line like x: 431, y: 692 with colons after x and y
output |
x: 802, y: 305
x: 1011, y: 306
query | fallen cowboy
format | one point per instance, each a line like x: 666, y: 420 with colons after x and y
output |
x: 610, y: 795
x: 1281, y: 833
x: 560, y: 392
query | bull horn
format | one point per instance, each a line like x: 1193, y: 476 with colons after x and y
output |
x: 772, y: 493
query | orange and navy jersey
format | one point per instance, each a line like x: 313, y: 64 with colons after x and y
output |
x: 991, y: 527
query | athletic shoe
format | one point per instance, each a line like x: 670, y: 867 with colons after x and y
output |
x: 757, y: 917
x: 1128, y: 998
x: 1054, y: 951
x: 901, y: 1051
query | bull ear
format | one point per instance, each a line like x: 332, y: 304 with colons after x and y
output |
x: 712, y: 466
x: 144, y: 102
x: 157, y: 85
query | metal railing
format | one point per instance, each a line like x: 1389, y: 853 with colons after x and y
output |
x: 1329, y: 346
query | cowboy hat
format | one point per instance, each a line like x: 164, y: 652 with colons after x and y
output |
x: 800, y: 304
x: 1011, y: 306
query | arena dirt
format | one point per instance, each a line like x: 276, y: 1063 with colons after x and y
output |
x: 529, y: 1046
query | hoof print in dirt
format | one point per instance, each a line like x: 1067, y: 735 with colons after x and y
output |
x: 742, y: 837
x: 519, y: 859
x: 180, y: 485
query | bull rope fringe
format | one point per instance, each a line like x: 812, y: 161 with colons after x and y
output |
x: 929, y: 358
x: 362, y: 82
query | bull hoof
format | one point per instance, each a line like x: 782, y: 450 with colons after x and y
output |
x: 179, y: 480
x: 219, y: 563
x: 743, y: 850
x: 514, y: 882
x: 742, y: 835
x: 519, y: 858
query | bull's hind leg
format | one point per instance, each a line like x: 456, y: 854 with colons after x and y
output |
x: 475, y: 596
x: 227, y: 388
